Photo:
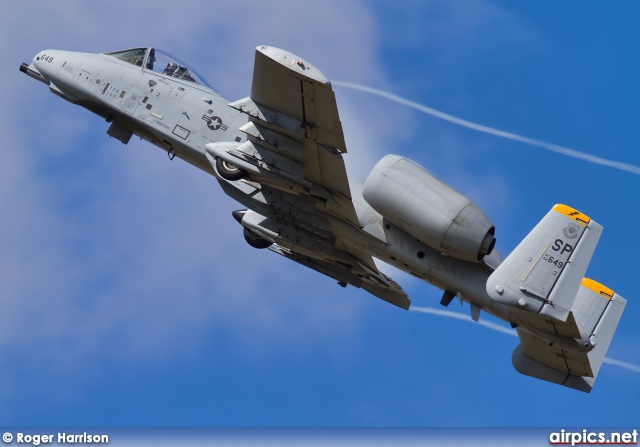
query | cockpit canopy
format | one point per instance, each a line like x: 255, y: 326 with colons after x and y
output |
x: 160, y: 62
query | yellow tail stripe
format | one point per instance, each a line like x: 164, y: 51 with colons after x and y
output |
x: 572, y: 213
x: 598, y: 288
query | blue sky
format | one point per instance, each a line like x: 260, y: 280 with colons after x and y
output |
x: 128, y: 296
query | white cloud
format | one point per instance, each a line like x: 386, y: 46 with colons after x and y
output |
x: 113, y: 250
x: 111, y: 242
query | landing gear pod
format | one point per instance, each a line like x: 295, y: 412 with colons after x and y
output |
x: 254, y: 240
x: 229, y: 171
x: 428, y: 209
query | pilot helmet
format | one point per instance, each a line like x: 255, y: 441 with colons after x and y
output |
x: 171, y: 68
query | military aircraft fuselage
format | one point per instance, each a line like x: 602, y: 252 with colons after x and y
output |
x: 181, y: 116
x: 279, y: 153
x: 175, y: 114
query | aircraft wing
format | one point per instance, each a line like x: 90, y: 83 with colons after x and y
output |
x: 289, y: 85
x: 376, y: 283
x: 294, y: 114
x: 297, y: 192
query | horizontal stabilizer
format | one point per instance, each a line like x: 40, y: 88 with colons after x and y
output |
x: 544, y: 272
x: 595, y: 315
x: 529, y: 367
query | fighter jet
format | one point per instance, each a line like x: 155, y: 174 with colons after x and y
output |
x: 279, y: 152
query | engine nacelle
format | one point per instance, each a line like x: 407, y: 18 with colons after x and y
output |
x: 429, y: 210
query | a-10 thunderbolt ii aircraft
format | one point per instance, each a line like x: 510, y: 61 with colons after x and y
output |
x: 279, y: 153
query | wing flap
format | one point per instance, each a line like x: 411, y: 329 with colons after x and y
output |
x: 374, y: 282
x: 332, y: 169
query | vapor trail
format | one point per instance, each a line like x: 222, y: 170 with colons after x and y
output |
x: 504, y: 330
x: 458, y: 316
x: 622, y: 364
x: 490, y: 130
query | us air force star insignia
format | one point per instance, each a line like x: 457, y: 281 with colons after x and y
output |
x: 571, y: 232
x: 214, y: 122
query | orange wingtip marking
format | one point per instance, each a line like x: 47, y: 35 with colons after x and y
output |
x: 598, y: 288
x: 572, y: 213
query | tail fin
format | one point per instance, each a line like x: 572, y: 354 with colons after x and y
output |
x: 543, y: 273
x: 597, y: 311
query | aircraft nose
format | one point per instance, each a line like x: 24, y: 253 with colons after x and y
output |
x: 42, y: 62
x: 37, y: 69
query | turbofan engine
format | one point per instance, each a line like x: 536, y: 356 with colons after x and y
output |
x: 429, y: 210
